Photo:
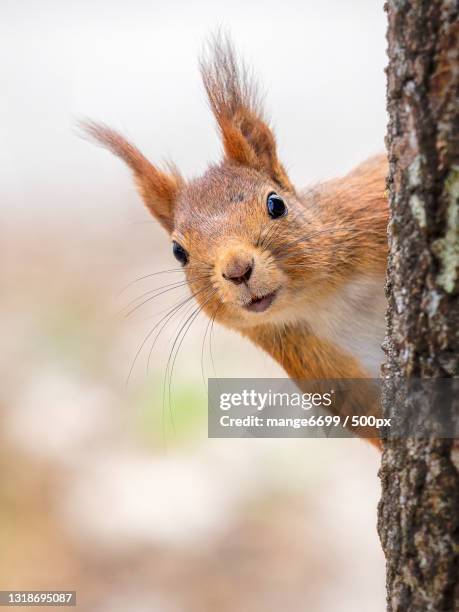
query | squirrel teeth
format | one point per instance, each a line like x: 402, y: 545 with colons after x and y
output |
x: 260, y: 304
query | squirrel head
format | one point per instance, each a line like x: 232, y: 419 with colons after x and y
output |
x: 236, y: 229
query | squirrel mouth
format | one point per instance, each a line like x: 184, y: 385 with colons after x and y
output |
x: 260, y: 304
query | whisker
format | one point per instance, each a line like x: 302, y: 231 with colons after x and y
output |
x: 210, y: 342
x: 145, y: 340
x: 178, y: 341
x: 348, y: 237
x: 186, y: 301
x: 170, y: 271
x: 171, y: 311
x: 171, y: 359
x: 268, y: 238
x: 165, y: 378
x: 173, y: 284
x: 210, y: 348
x: 141, y: 278
x: 155, y: 339
x: 202, y: 352
x: 209, y: 324
x: 160, y: 291
x: 282, y: 252
x: 135, y: 308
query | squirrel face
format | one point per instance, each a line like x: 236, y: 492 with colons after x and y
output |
x: 254, y: 251
x: 230, y: 226
x: 233, y: 229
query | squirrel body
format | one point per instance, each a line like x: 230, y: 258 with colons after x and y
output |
x: 301, y: 274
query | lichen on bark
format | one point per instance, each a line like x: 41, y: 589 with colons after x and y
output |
x: 418, y: 519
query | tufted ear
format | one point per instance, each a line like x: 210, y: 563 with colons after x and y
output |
x: 159, y: 190
x: 235, y: 102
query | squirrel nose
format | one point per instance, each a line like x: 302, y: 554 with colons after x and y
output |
x: 238, y: 271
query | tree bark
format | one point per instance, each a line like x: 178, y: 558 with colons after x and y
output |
x: 418, y: 517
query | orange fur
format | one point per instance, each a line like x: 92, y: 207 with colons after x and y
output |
x: 159, y: 190
x: 324, y: 262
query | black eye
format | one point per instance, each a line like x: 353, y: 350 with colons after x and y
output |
x: 276, y: 206
x: 179, y: 253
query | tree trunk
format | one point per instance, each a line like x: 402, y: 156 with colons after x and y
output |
x: 418, y: 520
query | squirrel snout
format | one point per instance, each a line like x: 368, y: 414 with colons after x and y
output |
x: 238, y: 269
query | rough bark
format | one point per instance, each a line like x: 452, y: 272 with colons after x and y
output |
x: 418, y: 520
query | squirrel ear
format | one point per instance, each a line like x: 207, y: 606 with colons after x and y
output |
x: 159, y: 190
x: 235, y: 102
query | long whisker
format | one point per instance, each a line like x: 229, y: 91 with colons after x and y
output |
x: 189, y: 300
x: 150, y: 291
x: 145, y: 340
x: 141, y: 278
x: 204, y: 343
x: 272, y: 232
x: 160, y: 291
x: 178, y: 339
x: 151, y: 298
x: 183, y: 304
x: 170, y: 271
x: 308, y: 237
x: 210, y: 342
x: 204, y: 264
x: 210, y: 348
x: 165, y: 378
x: 211, y: 324
x: 173, y: 284
x: 327, y: 230
x: 171, y: 311
x: 176, y: 347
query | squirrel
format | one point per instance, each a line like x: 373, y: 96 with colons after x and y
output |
x: 299, y: 273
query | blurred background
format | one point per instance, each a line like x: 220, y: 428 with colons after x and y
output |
x: 114, y: 489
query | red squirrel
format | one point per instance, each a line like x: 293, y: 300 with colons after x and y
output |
x: 299, y: 273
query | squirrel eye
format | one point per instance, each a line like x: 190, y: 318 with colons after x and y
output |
x: 179, y: 253
x: 276, y: 206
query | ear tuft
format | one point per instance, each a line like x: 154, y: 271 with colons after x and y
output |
x: 158, y: 189
x: 236, y: 103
